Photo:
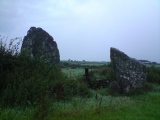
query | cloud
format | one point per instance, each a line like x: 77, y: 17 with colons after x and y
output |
x: 89, y: 27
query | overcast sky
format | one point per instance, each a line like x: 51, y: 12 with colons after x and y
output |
x: 86, y: 29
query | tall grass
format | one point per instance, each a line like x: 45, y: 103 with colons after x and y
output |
x: 144, y: 106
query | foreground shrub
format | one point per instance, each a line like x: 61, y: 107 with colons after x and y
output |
x: 29, y: 80
x: 25, y: 81
x: 74, y: 88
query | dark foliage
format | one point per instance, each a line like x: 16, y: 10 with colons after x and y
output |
x: 100, y: 78
x: 114, y: 88
x: 26, y: 81
x: 153, y: 74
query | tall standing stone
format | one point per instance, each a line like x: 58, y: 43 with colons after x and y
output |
x: 130, y: 73
x: 38, y: 43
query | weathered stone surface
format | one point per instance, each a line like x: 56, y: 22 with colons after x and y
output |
x: 40, y: 44
x: 130, y: 73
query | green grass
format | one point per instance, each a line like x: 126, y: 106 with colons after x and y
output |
x: 83, y: 64
x: 95, y: 63
x: 73, y: 72
x: 144, y: 106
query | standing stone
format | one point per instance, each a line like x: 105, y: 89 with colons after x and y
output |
x: 38, y: 43
x: 130, y: 73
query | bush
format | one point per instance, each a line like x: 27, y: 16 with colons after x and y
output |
x: 104, y: 73
x: 74, y: 88
x: 153, y: 74
x: 25, y: 81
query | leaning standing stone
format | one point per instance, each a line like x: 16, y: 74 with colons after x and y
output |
x: 130, y: 73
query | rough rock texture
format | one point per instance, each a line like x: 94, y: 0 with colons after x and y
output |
x: 130, y: 73
x: 40, y: 44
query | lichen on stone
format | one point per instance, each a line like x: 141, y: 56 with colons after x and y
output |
x: 38, y: 43
x: 130, y: 73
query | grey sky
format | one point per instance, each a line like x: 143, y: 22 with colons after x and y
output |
x: 86, y: 29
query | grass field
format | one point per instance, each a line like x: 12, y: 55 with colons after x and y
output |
x: 103, y: 107
x: 94, y: 63
x: 86, y: 63
x: 100, y: 106
x: 80, y: 70
x: 73, y: 72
